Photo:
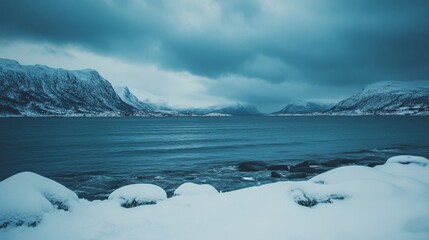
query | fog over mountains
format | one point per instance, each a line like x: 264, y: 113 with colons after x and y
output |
x: 39, y: 90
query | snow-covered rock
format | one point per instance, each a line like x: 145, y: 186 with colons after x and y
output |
x: 138, y: 194
x: 387, y: 98
x: 39, y: 90
x: 188, y: 188
x: 26, y: 197
x: 407, y: 159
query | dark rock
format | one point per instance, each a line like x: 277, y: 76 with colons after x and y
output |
x: 322, y: 170
x: 339, y: 162
x: 375, y: 164
x: 308, y: 170
x: 303, y: 164
x: 308, y: 200
x: 276, y: 175
x: 280, y: 167
x: 252, y: 166
x: 296, y: 176
x: 134, y: 203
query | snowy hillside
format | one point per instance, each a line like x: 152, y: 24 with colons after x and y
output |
x: 387, y: 98
x: 302, y: 107
x: 389, y: 201
x: 39, y: 90
x: 233, y: 110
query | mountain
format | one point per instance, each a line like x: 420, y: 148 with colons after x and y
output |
x: 125, y: 94
x: 39, y: 90
x: 302, y: 107
x: 225, y: 110
x: 387, y: 98
x: 228, y: 110
x: 144, y: 108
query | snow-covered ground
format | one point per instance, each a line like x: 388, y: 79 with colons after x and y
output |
x: 389, y: 201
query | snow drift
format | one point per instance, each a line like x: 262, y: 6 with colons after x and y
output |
x: 389, y: 201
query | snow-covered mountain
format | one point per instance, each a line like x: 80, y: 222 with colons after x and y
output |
x: 387, y: 98
x: 302, y: 107
x: 39, y: 90
x: 225, y: 110
x: 125, y: 94
x: 233, y: 110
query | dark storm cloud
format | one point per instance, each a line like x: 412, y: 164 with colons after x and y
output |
x: 325, y: 42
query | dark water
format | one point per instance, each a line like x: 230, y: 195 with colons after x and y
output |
x: 94, y: 156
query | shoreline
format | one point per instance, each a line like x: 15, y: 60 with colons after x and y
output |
x: 348, y: 201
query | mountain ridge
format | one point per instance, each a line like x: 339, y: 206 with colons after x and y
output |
x: 39, y: 90
x: 387, y: 98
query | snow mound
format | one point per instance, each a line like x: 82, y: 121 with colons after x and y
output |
x: 407, y: 159
x: 195, y: 189
x: 138, y: 194
x: 26, y: 197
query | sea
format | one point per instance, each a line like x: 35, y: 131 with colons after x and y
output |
x: 95, y: 156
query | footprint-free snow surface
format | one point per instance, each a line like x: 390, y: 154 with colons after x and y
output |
x: 389, y: 201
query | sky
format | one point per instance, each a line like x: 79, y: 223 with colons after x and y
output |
x: 205, y: 52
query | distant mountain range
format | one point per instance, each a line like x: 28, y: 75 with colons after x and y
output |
x: 236, y: 110
x: 382, y: 98
x: 303, y: 108
x: 39, y: 90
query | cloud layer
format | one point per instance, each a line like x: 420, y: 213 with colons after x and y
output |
x: 326, y: 43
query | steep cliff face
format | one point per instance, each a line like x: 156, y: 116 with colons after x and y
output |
x: 387, y: 98
x: 40, y: 90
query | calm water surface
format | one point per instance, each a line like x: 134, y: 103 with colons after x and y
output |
x: 94, y: 156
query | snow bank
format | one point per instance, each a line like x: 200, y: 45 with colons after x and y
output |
x: 138, y: 194
x: 26, y: 197
x: 195, y: 189
x: 405, y: 159
x: 389, y: 201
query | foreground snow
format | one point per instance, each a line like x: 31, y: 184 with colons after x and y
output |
x: 390, y: 201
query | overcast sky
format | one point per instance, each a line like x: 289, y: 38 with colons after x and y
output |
x: 204, y: 52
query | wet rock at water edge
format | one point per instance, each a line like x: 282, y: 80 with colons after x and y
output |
x: 297, y: 176
x: 280, y: 167
x: 307, y: 163
x: 276, y: 175
x: 339, y: 162
x: 297, y: 169
x: 252, y: 166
